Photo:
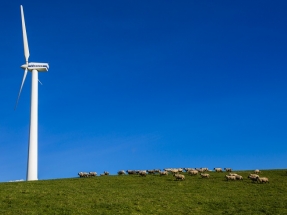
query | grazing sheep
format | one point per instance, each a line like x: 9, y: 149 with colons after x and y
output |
x: 156, y: 170
x: 188, y: 169
x: 179, y: 177
x: 230, y: 177
x: 174, y: 171
x: 163, y: 173
x: 150, y: 172
x: 121, y: 172
x: 106, y: 173
x: 199, y: 169
x: 232, y: 174
x: 83, y: 174
x: 262, y: 180
x: 238, y: 177
x: 204, y: 175
x: 228, y: 169
x: 131, y: 172
x: 253, y: 177
x: 218, y: 170
x: 193, y: 172
x: 142, y: 173
x: 92, y: 174
x: 257, y: 171
x: 204, y: 169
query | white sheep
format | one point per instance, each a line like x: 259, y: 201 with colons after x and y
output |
x: 228, y: 169
x: 262, y: 180
x: 232, y: 174
x: 238, y: 177
x: 230, y: 177
x: 174, y: 171
x: 218, y: 170
x: 199, y: 169
x: 205, y: 169
x: 163, y: 173
x: 142, y: 173
x: 156, y: 170
x: 257, y: 171
x: 188, y: 169
x: 179, y: 177
x: 131, y: 172
x: 193, y: 172
x: 150, y: 172
x: 83, y: 174
x: 253, y: 177
x: 121, y: 172
x: 204, y: 175
x: 91, y: 174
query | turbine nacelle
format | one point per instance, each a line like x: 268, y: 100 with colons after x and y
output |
x: 41, y: 67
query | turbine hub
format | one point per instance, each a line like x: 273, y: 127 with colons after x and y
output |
x: 24, y: 66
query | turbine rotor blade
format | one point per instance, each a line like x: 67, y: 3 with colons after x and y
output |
x: 23, y: 80
x: 25, y: 40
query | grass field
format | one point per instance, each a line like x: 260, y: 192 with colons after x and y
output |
x: 154, y: 194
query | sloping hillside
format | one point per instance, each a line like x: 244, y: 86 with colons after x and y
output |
x: 153, y: 194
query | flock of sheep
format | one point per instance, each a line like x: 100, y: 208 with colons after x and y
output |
x: 177, y: 173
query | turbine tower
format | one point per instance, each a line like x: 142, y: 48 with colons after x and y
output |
x: 34, y: 68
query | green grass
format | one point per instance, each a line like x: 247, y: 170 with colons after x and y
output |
x: 147, y: 195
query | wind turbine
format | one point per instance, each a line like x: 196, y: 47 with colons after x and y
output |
x: 34, y: 68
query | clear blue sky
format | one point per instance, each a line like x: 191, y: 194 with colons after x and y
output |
x: 145, y: 84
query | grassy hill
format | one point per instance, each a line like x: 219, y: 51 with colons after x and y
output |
x: 154, y: 194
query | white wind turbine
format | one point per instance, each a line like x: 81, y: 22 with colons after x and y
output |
x: 34, y: 68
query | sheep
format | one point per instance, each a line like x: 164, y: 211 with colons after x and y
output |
x: 121, y: 172
x: 91, y: 174
x: 83, y: 174
x: 257, y: 171
x: 230, y: 177
x: 228, y: 169
x: 218, y: 170
x: 232, y: 174
x: 199, y: 169
x: 253, y: 177
x: 131, y: 172
x: 188, y: 169
x: 205, y: 169
x: 156, y: 170
x: 238, y: 177
x: 163, y: 173
x: 142, y: 173
x: 106, y: 173
x: 179, y: 177
x: 150, y: 172
x: 262, y: 180
x: 204, y: 175
x: 193, y: 172
x: 174, y: 171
